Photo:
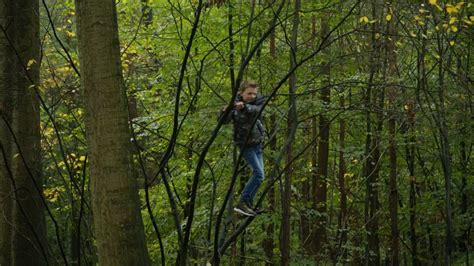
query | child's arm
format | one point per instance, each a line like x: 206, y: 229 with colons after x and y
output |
x: 227, y: 118
x: 251, y: 108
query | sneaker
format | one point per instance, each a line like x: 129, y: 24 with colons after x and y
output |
x: 244, y: 209
x: 257, y: 210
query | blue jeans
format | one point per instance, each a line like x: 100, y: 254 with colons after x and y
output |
x: 253, y: 155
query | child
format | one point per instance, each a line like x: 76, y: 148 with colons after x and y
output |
x: 247, y: 107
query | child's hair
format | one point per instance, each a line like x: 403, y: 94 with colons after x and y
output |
x: 247, y: 84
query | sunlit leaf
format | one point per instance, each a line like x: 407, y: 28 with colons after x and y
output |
x: 364, y: 19
x: 451, y: 9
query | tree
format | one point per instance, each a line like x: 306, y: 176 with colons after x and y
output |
x: 115, y: 203
x: 7, y: 57
x: 292, y: 122
x: 29, y: 234
x: 373, y: 101
x: 318, y: 234
x: 391, y: 68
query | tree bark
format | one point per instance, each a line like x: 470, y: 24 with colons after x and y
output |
x: 307, y: 184
x: 115, y: 203
x: 7, y: 60
x: 268, y: 243
x: 292, y: 123
x: 29, y: 237
x: 372, y: 147
x: 318, y: 232
x: 342, y: 221
x: 392, y: 96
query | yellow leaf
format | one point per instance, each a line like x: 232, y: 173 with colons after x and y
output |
x: 388, y: 17
x: 70, y: 34
x: 451, y: 9
x: 467, y: 22
x: 454, y: 28
x: 471, y: 18
x: 412, y: 34
x: 452, y: 20
x: 433, y: 2
x: 452, y: 43
x: 30, y: 63
x: 364, y: 19
x: 82, y: 158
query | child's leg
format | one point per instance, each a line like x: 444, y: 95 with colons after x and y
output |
x: 251, y: 155
x: 259, y: 154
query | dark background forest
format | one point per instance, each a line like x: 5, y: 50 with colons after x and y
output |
x: 113, y: 153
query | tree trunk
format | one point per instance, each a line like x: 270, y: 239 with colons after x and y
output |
x: 342, y: 221
x: 392, y: 96
x: 285, y: 239
x: 29, y: 237
x: 307, y: 185
x: 7, y: 60
x: 445, y: 156
x: 372, y: 148
x: 318, y: 234
x: 115, y: 203
x: 268, y: 243
x: 410, y: 158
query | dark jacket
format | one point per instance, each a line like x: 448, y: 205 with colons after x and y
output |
x: 243, y: 120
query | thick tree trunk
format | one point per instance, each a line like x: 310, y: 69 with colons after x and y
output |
x: 7, y: 60
x: 29, y: 237
x: 115, y: 203
x: 285, y: 239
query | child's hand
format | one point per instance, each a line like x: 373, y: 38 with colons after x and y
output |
x: 239, y: 105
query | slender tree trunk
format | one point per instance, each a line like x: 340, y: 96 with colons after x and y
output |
x: 292, y: 123
x: 7, y: 60
x: 410, y: 158
x: 309, y: 185
x: 29, y: 237
x: 320, y: 182
x: 117, y: 220
x: 445, y: 156
x: 392, y: 96
x: 464, y: 159
x: 342, y: 220
x: 372, y: 148
x: 268, y: 243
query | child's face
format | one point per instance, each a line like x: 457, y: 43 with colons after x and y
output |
x: 249, y: 94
